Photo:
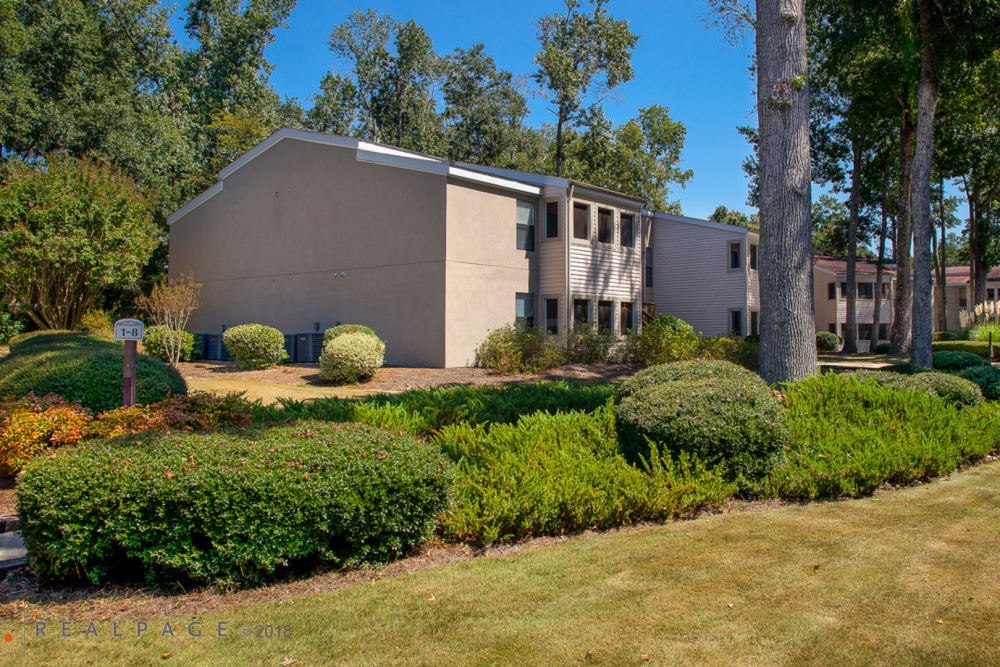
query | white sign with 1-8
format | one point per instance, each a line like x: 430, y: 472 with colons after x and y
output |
x: 129, y: 329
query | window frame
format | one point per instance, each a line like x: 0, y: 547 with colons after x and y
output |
x: 581, y: 207
x: 577, y: 301
x: 738, y: 313
x: 754, y: 329
x: 871, y: 286
x: 611, y: 225
x: 868, y: 332
x: 883, y: 327
x: 752, y: 259
x: 831, y: 291
x: 548, y: 327
x: 549, y: 220
x: 630, y: 305
x: 530, y: 227
x: 648, y: 268
x: 529, y: 320
x: 601, y: 303
x: 621, y: 230
x: 730, y: 245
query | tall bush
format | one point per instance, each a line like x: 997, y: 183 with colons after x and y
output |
x: 351, y: 357
x: 169, y: 345
x: 519, y: 349
x: 342, y: 329
x: 255, y: 346
x: 667, y: 338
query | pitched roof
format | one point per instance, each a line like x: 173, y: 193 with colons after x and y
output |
x: 959, y: 275
x: 838, y: 265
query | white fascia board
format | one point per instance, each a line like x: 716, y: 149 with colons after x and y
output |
x: 401, y: 162
x: 301, y: 135
x: 600, y: 194
x: 369, y: 147
x: 821, y: 269
x: 505, y: 183
x: 667, y: 217
x: 523, y: 176
x: 194, y: 203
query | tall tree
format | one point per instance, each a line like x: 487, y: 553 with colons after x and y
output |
x: 788, y: 325
x: 334, y: 108
x: 575, y: 48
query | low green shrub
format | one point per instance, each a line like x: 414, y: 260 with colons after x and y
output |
x: 81, y: 369
x: 96, y: 321
x: 982, y: 332
x: 351, y: 357
x: 951, y: 388
x: 684, y: 371
x: 883, y: 348
x: 974, y: 346
x: 827, y: 341
x: 154, y: 342
x: 341, y: 329
x: 950, y: 360
x: 235, y: 507
x: 552, y: 474
x: 255, y: 346
x: 738, y: 351
x: 850, y: 435
x: 590, y: 345
x: 667, y: 338
x: 944, y: 335
x: 10, y: 326
x: 517, y: 349
x: 732, y: 421
x: 987, y: 378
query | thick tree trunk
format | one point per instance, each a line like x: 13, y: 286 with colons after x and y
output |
x: 920, y: 189
x: 788, y: 324
x: 851, y: 328
x: 941, y: 263
x: 879, y: 270
x: 901, y: 316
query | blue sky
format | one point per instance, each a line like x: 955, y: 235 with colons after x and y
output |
x: 678, y: 63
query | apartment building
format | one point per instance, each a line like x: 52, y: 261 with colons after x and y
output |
x: 705, y: 273
x: 958, y: 296
x: 830, y: 296
x: 309, y: 230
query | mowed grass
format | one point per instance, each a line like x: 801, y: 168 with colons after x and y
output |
x: 270, y: 392
x: 902, y: 578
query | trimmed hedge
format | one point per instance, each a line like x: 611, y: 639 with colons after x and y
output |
x: 698, y: 369
x: 974, y: 346
x: 81, y: 369
x: 944, y: 335
x: 987, y: 378
x: 952, y: 388
x: 342, y: 329
x: 351, y: 357
x: 255, y: 346
x: 827, y: 341
x: 949, y: 360
x: 231, y: 507
x: 154, y: 343
x: 733, y: 421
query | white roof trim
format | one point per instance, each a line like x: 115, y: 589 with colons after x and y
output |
x: 314, y: 137
x: 525, y: 176
x: 600, y: 194
x: 194, y: 203
x: 369, y: 147
x: 402, y: 161
x: 475, y: 176
x: 699, y: 222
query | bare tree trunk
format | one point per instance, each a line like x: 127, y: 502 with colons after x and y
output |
x: 879, y: 270
x: 851, y: 327
x: 788, y: 324
x: 559, y: 139
x: 942, y: 259
x: 900, y: 338
x: 920, y: 190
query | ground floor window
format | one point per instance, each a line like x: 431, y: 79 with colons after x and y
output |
x: 864, y: 331
x: 581, y: 313
x: 832, y: 328
x: 989, y: 294
x: 552, y: 316
x: 883, y: 331
x: 736, y: 322
x: 627, y: 317
x: 604, y: 311
x: 524, y: 309
x: 754, y: 322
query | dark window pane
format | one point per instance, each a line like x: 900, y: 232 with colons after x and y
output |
x: 833, y: 327
x: 831, y: 291
x: 524, y: 308
x: 649, y: 275
x: 627, y: 317
x: 552, y: 220
x: 883, y: 331
x: 581, y: 221
x: 754, y: 323
x: 864, y: 331
x: 866, y: 290
x: 525, y: 225
x: 581, y: 312
x: 552, y: 316
x: 627, y: 231
x: 843, y: 290
x: 753, y: 257
x: 604, y: 309
x: 734, y: 255
x: 736, y: 322
x: 604, y: 218
x: 525, y: 237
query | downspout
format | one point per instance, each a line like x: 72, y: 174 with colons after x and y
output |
x: 569, y: 300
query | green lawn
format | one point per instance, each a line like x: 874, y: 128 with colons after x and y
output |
x: 270, y: 392
x: 901, y: 578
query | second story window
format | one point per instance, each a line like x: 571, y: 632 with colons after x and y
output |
x: 649, y: 266
x: 831, y: 291
x: 605, y: 225
x: 866, y: 291
x: 627, y: 234
x: 753, y: 256
x: 552, y: 220
x: 581, y: 221
x: 525, y: 225
x: 735, y: 259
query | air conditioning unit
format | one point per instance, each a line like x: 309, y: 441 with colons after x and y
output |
x: 290, y: 348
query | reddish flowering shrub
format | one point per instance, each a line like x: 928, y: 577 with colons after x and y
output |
x: 30, y: 425
x: 195, y: 412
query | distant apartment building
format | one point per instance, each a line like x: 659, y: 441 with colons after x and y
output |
x: 830, y: 296
x: 958, y: 296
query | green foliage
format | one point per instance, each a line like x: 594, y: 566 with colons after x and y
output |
x: 739, y: 351
x: 986, y: 377
x: 827, y: 341
x: 154, y: 343
x: 351, y: 357
x: 552, y: 474
x: 951, y: 388
x: 81, y: 369
x: 517, y: 349
x: 982, y: 332
x: 883, y: 348
x: 590, y: 345
x: 233, y: 507
x: 68, y: 232
x: 667, y: 338
x: 974, y: 346
x: 342, y: 329
x: 96, y: 321
x: 944, y: 335
x: 730, y: 419
x: 255, y: 346
x: 850, y: 435
x: 949, y: 360
x: 10, y: 326
x: 697, y: 369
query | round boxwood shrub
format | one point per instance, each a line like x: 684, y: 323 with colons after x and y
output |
x: 883, y: 348
x: 827, y: 341
x: 351, y: 358
x: 82, y: 369
x: 944, y: 335
x: 952, y: 388
x: 732, y: 420
x: 154, y: 342
x: 697, y: 369
x: 956, y: 361
x: 236, y: 506
x: 255, y: 346
x: 987, y: 378
x: 342, y: 329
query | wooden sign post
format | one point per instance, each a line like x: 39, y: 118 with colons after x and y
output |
x: 130, y: 331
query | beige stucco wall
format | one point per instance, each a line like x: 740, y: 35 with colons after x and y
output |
x: 267, y: 248
x: 485, y: 270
